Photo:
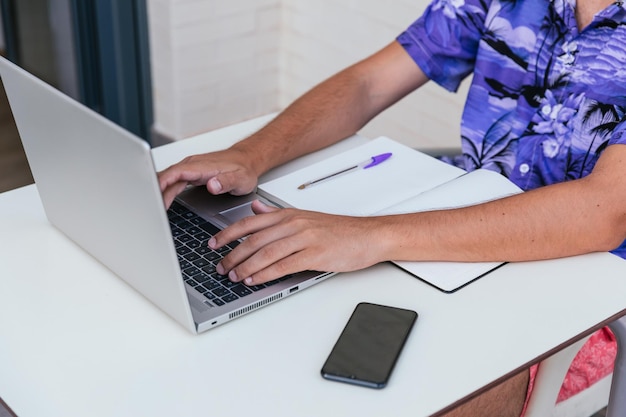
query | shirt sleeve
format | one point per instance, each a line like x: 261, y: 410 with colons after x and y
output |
x: 444, y: 40
x: 618, y: 137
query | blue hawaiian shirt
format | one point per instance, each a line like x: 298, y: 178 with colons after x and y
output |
x: 545, y: 99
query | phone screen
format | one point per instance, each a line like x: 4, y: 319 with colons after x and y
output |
x: 369, y: 345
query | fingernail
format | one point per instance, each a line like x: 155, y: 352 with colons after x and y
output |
x: 216, y: 186
x: 248, y: 281
x: 220, y: 269
x: 212, y: 243
x: 233, y: 276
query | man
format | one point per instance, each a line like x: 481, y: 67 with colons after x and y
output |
x: 546, y: 108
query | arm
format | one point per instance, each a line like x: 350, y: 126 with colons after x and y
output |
x: 569, y: 218
x: 333, y: 110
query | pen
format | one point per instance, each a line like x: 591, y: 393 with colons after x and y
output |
x: 371, y: 162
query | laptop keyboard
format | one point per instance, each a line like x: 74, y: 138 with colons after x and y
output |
x: 197, y: 261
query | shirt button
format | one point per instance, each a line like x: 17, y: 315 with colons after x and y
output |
x: 524, y: 168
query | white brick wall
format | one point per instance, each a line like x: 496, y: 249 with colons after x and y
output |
x: 216, y: 62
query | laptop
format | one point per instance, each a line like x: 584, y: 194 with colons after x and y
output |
x: 98, y: 185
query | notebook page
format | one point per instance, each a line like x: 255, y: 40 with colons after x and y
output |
x: 365, y: 191
x: 472, y: 188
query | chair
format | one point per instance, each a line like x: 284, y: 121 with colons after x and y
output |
x: 551, y: 373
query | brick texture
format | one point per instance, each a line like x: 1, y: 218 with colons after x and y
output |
x: 215, y: 63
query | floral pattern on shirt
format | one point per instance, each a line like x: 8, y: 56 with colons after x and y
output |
x: 545, y: 98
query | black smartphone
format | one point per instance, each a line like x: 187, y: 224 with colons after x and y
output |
x: 369, y: 345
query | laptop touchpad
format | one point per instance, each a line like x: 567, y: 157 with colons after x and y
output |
x: 237, y: 213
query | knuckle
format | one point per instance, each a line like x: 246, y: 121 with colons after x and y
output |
x: 282, y: 268
x: 246, y: 222
x: 189, y: 159
x: 271, y: 252
x: 300, y: 219
x: 227, y: 262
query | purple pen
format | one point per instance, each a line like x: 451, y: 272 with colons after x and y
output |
x: 371, y: 162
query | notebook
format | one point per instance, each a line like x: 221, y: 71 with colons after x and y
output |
x: 409, y: 181
x: 98, y: 185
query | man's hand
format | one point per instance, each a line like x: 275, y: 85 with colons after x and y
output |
x: 285, y: 241
x: 221, y: 172
x: 333, y: 110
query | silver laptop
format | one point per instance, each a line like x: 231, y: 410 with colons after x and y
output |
x: 98, y: 185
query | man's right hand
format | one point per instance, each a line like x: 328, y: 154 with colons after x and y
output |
x: 227, y: 171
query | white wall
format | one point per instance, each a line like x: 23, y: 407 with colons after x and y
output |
x: 216, y: 62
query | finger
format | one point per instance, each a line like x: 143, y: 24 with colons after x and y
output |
x: 164, y: 178
x: 173, y: 181
x: 172, y: 176
x: 272, y: 261
x: 245, y: 227
x: 235, y: 182
x: 288, y: 265
x: 171, y: 192
x: 214, y: 186
x: 259, y: 207
x: 259, y: 242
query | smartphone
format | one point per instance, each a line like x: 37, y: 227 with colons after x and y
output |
x: 369, y: 345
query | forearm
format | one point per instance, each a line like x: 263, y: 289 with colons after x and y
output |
x: 561, y: 220
x: 335, y: 109
x: 310, y: 123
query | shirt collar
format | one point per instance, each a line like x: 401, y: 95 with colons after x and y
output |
x: 615, y: 11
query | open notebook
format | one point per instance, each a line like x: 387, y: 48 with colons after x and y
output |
x: 408, y: 181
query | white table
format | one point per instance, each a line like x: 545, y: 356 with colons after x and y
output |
x: 77, y: 341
